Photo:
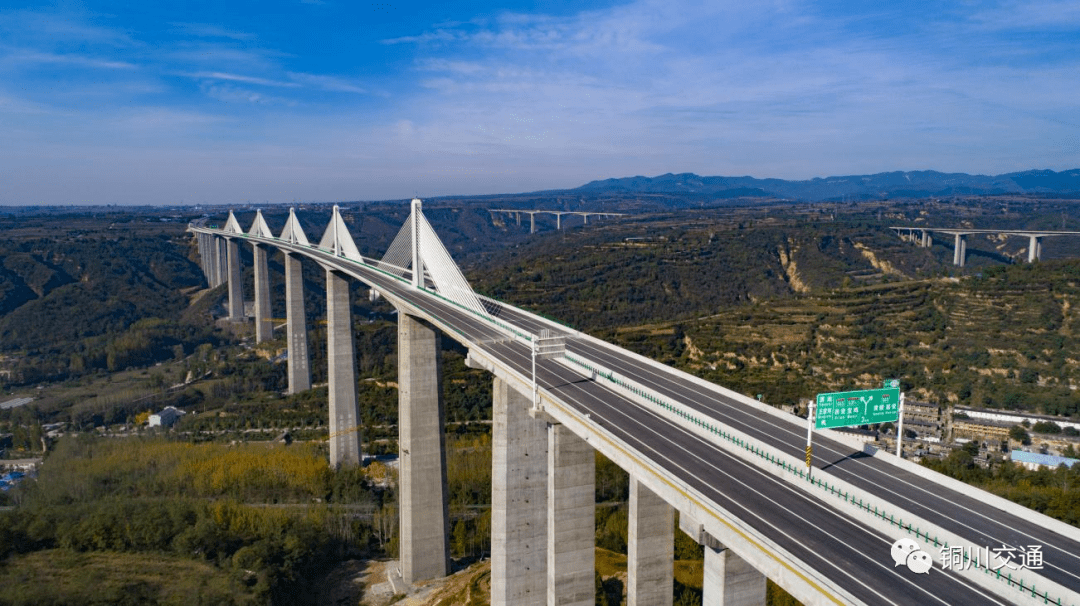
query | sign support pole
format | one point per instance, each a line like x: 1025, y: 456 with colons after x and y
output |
x: 900, y: 428
x: 810, y: 434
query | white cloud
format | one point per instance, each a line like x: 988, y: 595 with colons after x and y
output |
x: 206, y: 30
x: 27, y: 56
x: 1029, y: 15
x: 234, y: 94
x: 330, y: 83
x: 241, y: 78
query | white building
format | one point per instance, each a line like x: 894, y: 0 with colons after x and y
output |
x: 1013, y: 418
x: 166, y: 417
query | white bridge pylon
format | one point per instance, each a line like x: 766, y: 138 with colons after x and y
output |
x: 259, y: 227
x: 417, y: 248
x: 292, y: 232
x: 232, y: 225
x: 336, y: 239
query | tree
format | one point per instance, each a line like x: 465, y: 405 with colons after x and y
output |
x: 460, y: 539
x: 1046, y: 427
x: 1020, y: 434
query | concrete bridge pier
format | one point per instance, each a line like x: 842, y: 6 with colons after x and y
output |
x: 960, y: 250
x: 927, y: 239
x: 209, y: 256
x: 264, y: 328
x: 571, y: 519
x: 236, y: 291
x: 200, y: 240
x: 211, y: 261
x: 1034, y: 248
x: 518, y: 217
x: 296, y: 326
x: 650, y: 548
x: 341, y: 359
x: 519, y: 518
x: 729, y: 579
x: 558, y: 221
x: 532, y: 223
x: 221, y: 257
x: 424, y: 536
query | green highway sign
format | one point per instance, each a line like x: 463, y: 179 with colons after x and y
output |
x: 847, y: 408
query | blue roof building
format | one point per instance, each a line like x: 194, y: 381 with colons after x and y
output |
x: 1034, y: 460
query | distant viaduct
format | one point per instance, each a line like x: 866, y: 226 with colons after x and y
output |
x: 922, y: 236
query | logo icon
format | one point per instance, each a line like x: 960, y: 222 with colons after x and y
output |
x: 906, y: 551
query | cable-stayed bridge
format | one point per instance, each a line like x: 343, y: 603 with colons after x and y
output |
x: 730, y: 466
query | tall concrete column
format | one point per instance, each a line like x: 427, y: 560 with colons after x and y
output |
x: 532, y: 223
x: 424, y: 536
x: 959, y: 250
x: 1034, y: 248
x: 296, y: 325
x: 518, y: 216
x: 200, y: 241
x: 558, y: 221
x: 927, y: 239
x: 730, y: 580
x: 650, y: 549
x: 264, y: 327
x: 222, y: 259
x: 585, y: 217
x: 341, y: 359
x: 571, y: 519
x: 211, y: 261
x: 236, y: 290
x: 518, y: 501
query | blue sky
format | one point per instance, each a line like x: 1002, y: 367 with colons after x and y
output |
x: 320, y: 100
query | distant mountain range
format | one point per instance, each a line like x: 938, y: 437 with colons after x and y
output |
x: 913, y: 184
